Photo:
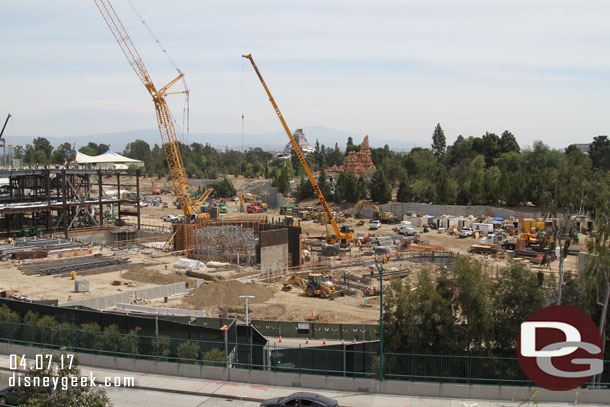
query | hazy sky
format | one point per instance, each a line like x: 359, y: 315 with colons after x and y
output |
x: 390, y: 69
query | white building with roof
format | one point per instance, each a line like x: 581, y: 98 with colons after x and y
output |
x: 108, y: 161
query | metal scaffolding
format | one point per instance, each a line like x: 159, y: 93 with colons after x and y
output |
x: 234, y: 244
x: 64, y: 199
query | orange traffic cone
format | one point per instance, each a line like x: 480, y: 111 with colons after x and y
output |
x: 324, y: 341
x: 306, y: 341
x: 280, y: 341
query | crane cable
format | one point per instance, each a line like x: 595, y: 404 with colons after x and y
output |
x: 186, y: 109
x: 242, y: 115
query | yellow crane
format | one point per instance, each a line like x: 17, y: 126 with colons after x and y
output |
x: 339, y: 236
x: 164, y: 120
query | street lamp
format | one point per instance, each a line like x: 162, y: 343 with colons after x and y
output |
x: 246, y: 297
x: 380, y: 269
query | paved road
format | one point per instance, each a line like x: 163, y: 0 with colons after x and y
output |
x: 147, y: 398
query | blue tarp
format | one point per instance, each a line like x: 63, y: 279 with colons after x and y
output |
x: 499, y: 218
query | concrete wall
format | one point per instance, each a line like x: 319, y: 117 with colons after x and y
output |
x: 109, y: 301
x: 162, y: 311
x: 108, y: 238
x: 161, y: 291
x: 401, y: 208
x: 584, y: 259
x: 106, y: 301
x: 398, y: 387
x: 274, y: 258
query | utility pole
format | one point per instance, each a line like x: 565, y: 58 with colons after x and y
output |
x: 247, y: 297
x: 380, y: 269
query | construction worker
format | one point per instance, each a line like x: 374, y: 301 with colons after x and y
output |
x: 10, y: 240
x: 398, y: 255
x: 388, y: 256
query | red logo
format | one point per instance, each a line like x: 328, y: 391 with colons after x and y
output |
x: 559, y: 348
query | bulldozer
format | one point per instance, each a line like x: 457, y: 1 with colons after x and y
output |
x: 314, y: 286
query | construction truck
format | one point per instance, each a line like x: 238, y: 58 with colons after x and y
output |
x: 315, y: 286
x: 388, y: 217
x: 254, y: 201
x: 530, y: 238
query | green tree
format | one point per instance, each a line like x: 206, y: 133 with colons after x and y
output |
x: 224, y: 189
x: 439, y: 143
x: 323, y: 183
x: 380, y: 188
x: 508, y: 143
x: 44, y: 145
x: 188, y: 350
x: 347, y: 187
x: 282, y: 181
x: 476, y: 181
x: 64, y: 154
x: 215, y: 357
x: 138, y: 150
x: 405, y: 193
x: 473, y: 300
x: 304, y: 190
x: 517, y: 295
x: 599, y: 151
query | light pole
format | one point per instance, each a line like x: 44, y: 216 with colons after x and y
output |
x: 247, y: 324
x: 380, y: 269
x: 246, y: 297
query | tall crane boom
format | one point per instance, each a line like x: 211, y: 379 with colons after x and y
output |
x: 164, y: 120
x: 345, y: 237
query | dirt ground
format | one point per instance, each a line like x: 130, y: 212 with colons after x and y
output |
x: 270, y: 302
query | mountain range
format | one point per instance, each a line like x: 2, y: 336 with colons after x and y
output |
x: 273, y: 141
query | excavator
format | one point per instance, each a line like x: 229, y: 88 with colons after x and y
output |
x: 364, y: 204
x: 155, y: 189
x: 315, y: 286
x: 384, y: 217
x: 338, y: 237
x: 165, y: 122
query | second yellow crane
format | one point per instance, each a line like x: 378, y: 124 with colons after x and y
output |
x: 339, y: 236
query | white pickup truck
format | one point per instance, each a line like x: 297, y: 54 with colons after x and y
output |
x: 407, y: 230
x: 466, y: 232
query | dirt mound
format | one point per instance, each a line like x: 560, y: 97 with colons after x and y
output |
x: 226, y: 294
x: 153, y: 277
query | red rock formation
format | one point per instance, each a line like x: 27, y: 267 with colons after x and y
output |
x: 357, y: 162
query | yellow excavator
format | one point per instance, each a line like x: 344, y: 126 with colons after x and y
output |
x: 315, y: 286
x: 364, y: 204
x: 338, y: 237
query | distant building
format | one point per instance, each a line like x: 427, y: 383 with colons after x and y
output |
x: 583, y: 147
x: 108, y: 161
x: 301, y: 140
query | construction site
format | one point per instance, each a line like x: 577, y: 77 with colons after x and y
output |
x: 98, y: 238
x: 111, y: 239
x: 103, y: 236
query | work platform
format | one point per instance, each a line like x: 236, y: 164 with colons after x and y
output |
x: 60, y: 199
